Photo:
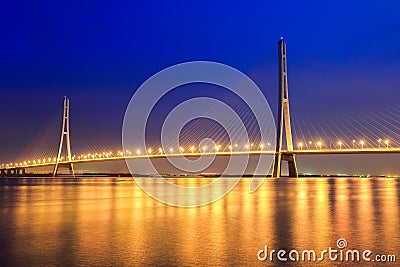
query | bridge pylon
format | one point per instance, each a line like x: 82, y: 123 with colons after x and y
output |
x: 283, y: 119
x: 65, y: 132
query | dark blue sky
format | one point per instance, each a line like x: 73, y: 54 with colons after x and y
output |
x: 99, y: 52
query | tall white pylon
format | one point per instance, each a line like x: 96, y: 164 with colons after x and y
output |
x: 283, y: 119
x: 65, y: 132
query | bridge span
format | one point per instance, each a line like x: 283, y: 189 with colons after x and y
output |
x: 13, y: 169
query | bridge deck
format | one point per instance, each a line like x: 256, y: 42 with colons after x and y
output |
x: 210, y: 154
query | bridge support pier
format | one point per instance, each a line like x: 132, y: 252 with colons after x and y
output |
x: 10, y: 172
x: 15, y: 172
x: 292, y: 167
x: 69, y: 166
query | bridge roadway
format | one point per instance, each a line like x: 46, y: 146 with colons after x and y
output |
x: 221, y: 153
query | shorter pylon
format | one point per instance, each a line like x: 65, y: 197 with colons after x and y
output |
x: 65, y: 132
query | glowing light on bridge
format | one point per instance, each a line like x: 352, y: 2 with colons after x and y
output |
x: 340, y: 144
x: 319, y: 144
x: 387, y: 143
x: 300, y: 145
x: 362, y: 142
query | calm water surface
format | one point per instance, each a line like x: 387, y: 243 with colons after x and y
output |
x: 110, y: 221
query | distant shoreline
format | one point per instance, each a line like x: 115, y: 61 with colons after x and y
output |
x: 113, y: 175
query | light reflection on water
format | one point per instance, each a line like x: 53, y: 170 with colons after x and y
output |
x: 110, y: 221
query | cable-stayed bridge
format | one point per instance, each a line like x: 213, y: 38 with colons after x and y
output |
x: 285, y: 149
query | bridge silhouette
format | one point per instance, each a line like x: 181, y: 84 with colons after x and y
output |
x: 284, y: 139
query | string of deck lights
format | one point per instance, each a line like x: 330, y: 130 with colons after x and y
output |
x: 192, y: 149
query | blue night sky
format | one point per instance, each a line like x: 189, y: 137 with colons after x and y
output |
x: 98, y: 52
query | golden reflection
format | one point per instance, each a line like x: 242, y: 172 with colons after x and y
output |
x: 258, y: 218
x: 342, y: 211
x: 110, y: 221
x: 321, y: 219
x: 302, y: 218
x: 390, y: 214
x: 94, y: 218
x: 365, y: 211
